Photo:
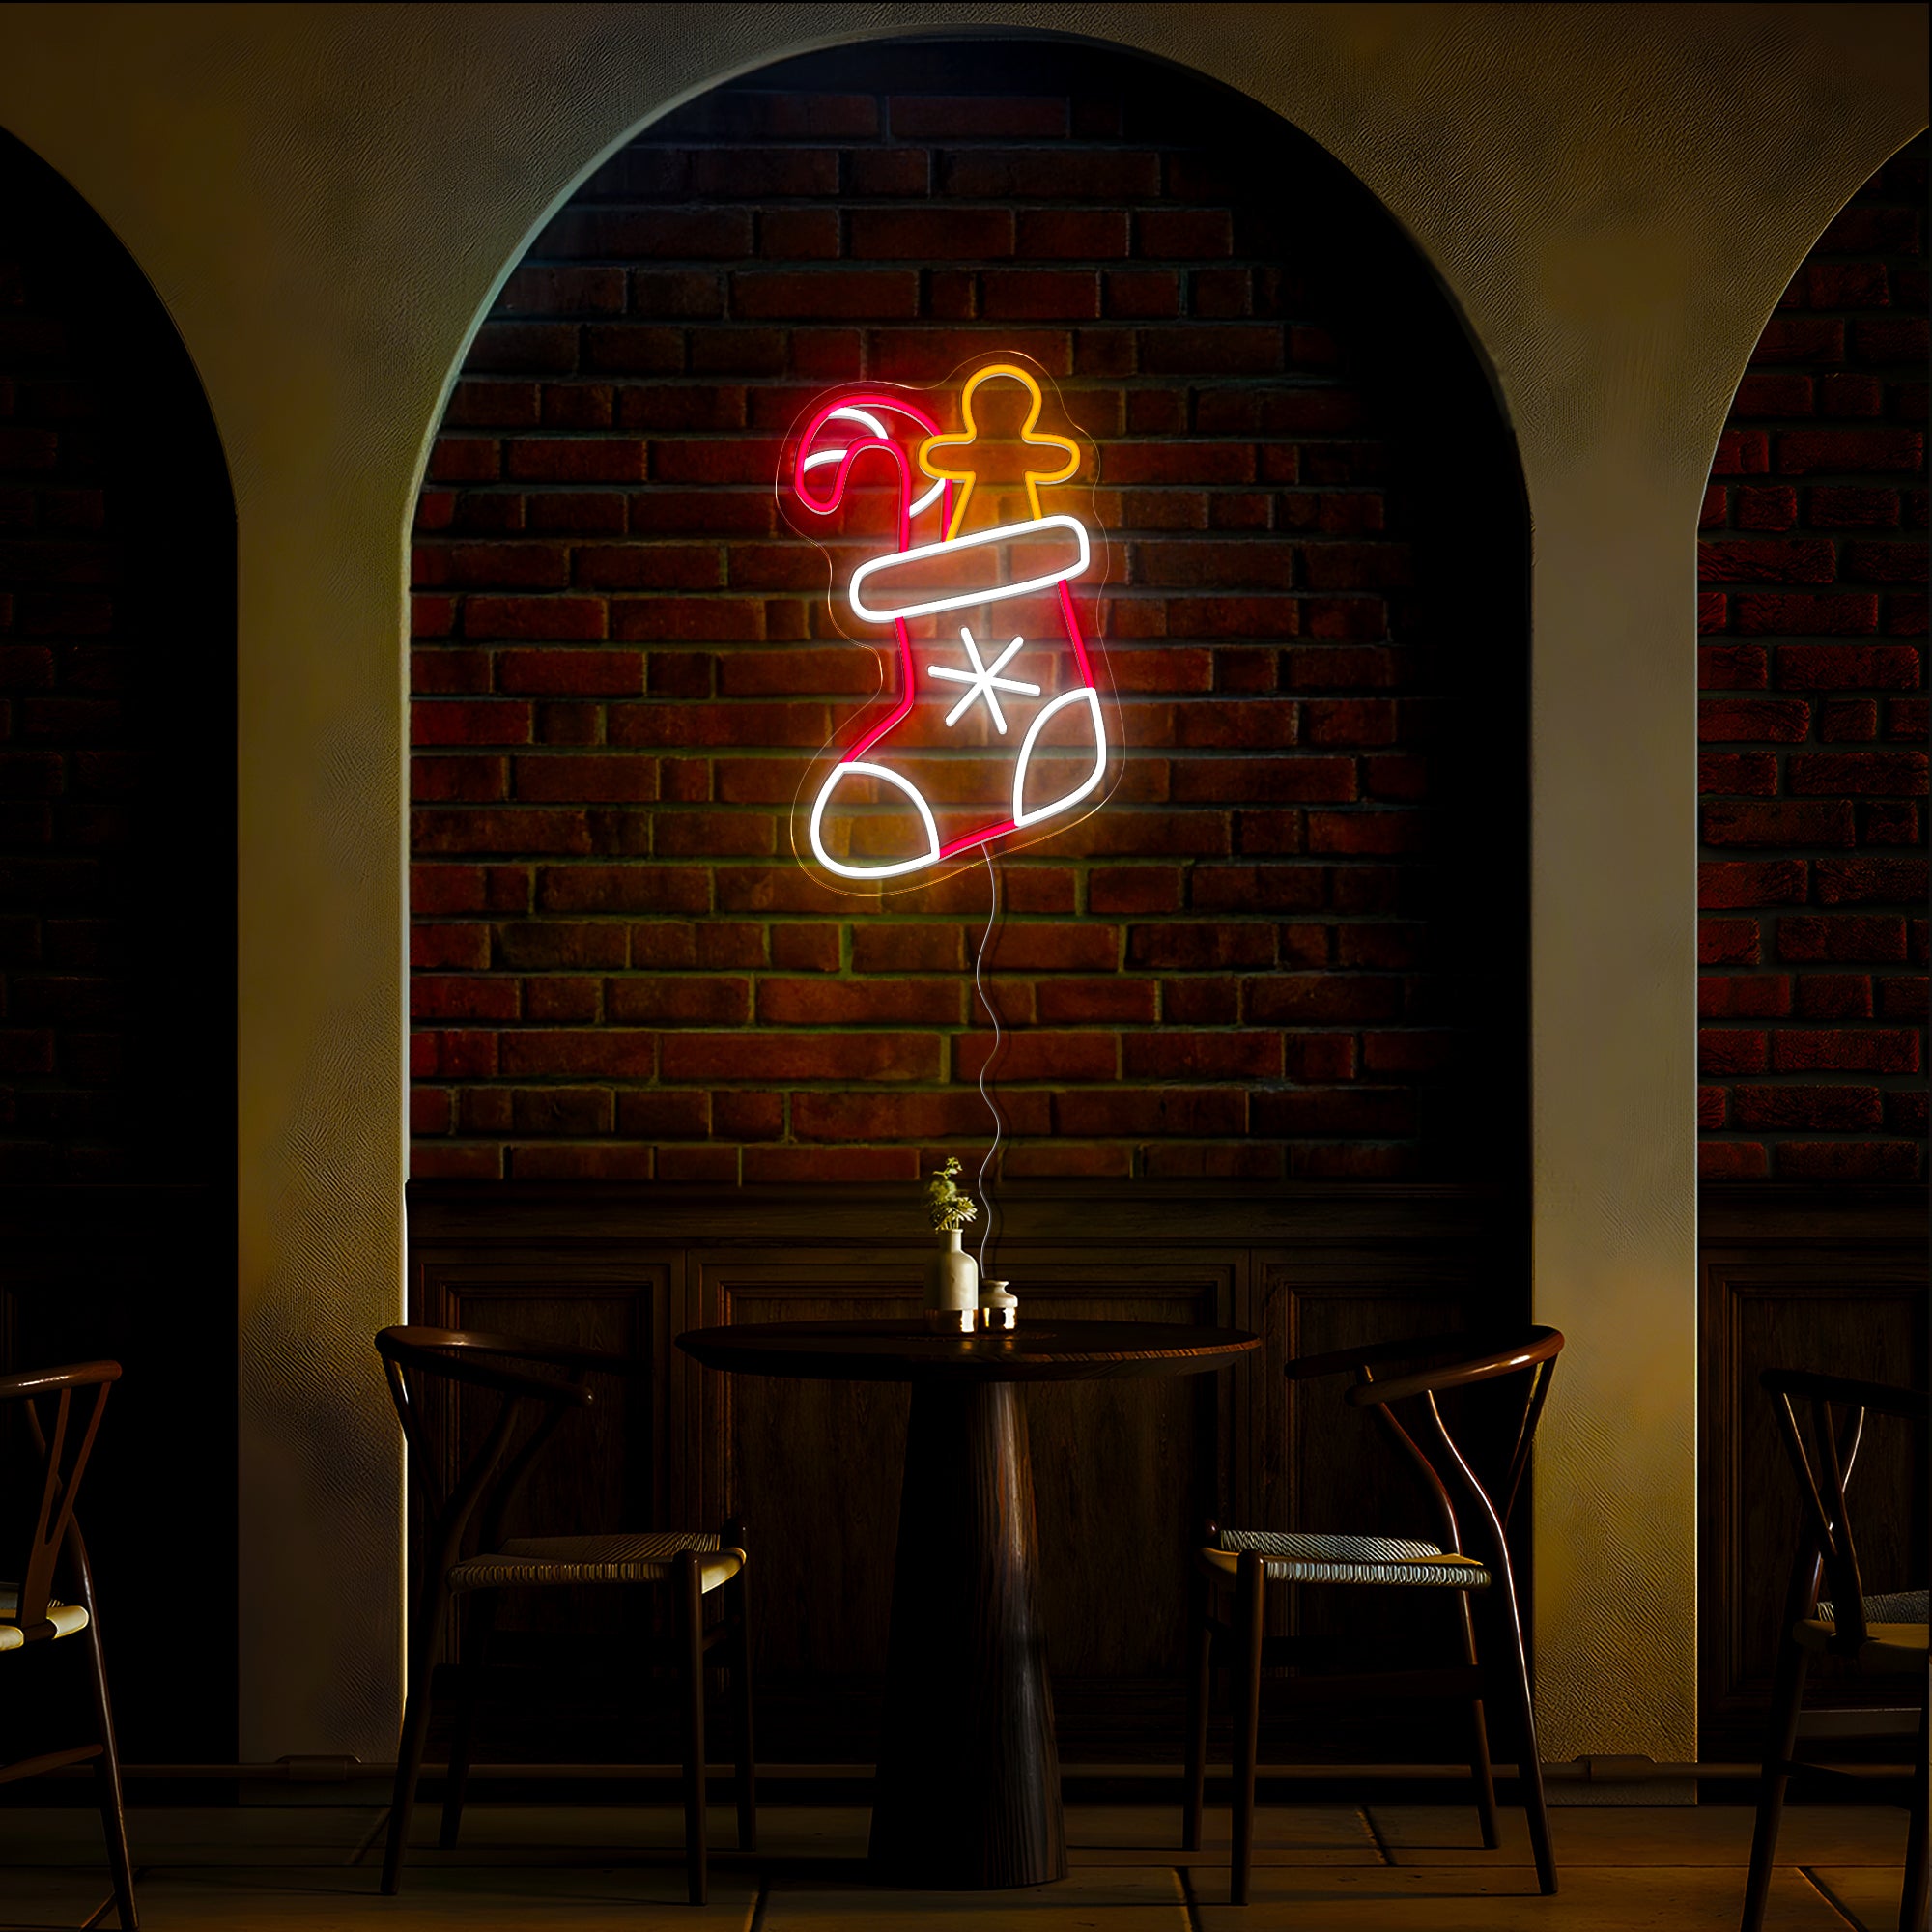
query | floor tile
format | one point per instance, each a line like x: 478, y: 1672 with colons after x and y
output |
x: 1459, y: 1899
x: 558, y: 1833
x: 1133, y: 1898
x: 249, y: 1834
x: 1688, y: 1835
x: 50, y: 1900
x: 1866, y: 1894
x: 328, y: 1899
x: 1320, y: 1834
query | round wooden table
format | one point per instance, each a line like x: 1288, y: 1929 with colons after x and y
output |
x: 968, y: 1786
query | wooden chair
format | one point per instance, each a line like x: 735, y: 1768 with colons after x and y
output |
x: 1883, y: 1634
x: 31, y: 1616
x: 1472, y: 1563
x: 690, y: 1564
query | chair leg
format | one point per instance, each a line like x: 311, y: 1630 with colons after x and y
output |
x: 1200, y: 1681
x: 1249, y: 1618
x: 737, y: 1610
x: 688, y: 1589
x: 1479, y: 1738
x: 479, y: 1623
x: 1787, y: 1699
x: 1914, y: 1897
x: 1510, y: 1675
x: 107, y: 1775
x: 415, y: 1731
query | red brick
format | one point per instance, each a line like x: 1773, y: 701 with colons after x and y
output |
x: 1272, y: 887
x: 1069, y: 234
x: 1724, y: 883
x: 1175, y: 1055
x: 1742, y: 453
x: 1847, y: 668
x: 748, y: 1117
x: 1804, y: 452
x: 1297, y: 779
x: 1871, y: 774
x: 543, y: 289
x: 1730, y: 1050
x: 1853, y: 720
x: 1796, y: 560
x: 687, y: 619
x: 631, y: 887
x: 1886, y: 563
x: 1106, y: 1001
x: 908, y: 949
x: 547, y: 674
x: 549, y: 943
x: 1827, y: 1109
x: 1834, y: 996
x: 1733, y: 666
x: 1845, y: 1050
x: 1782, y: 395
x: 1164, y: 1111
x: 795, y: 295
x: 1758, y: 996
x: 437, y: 997
x: 678, y: 1000
x: 1765, y: 507
x: 1784, y: 823
x: 1022, y: 947
x: 455, y: 1163
x: 1753, y: 773
x: 929, y: 235
x: 1852, y: 938
x: 1867, y: 881
x: 1799, y: 339
x: 1197, y: 234
x: 1849, y: 507
x: 559, y: 618
x: 561, y: 777
x: 1840, y: 1160
x: 976, y: 117
x: 1731, y: 1160
x: 507, y: 830
x: 523, y: 348
x: 1076, y: 173
x: 1730, y: 942
x: 861, y: 1003
x: 767, y: 1056
x: 1034, y: 1056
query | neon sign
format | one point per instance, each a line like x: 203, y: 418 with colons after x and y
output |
x: 999, y: 722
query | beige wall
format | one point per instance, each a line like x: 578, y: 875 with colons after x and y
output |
x: 326, y: 196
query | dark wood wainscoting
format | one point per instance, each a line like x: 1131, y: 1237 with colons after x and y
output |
x: 1124, y: 1471
x: 1831, y: 1280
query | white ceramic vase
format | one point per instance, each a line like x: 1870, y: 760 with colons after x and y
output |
x: 952, y: 1276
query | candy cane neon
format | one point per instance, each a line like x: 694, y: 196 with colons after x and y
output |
x: 874, y: 596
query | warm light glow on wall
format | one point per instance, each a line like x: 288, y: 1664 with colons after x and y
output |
x: 1000, y: 723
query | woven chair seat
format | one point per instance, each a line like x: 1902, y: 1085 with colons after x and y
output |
x: 65, y: 1618
x: 1896, y: 1622
x: 1387, y: 1560
x: 526, y: 1561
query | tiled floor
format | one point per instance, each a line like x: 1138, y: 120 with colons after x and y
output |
x: 1326, y: 1869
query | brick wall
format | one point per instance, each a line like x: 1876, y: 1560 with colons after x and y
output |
x: 116, y: 715
x: 1289, y: 946
x: 1813, y: 720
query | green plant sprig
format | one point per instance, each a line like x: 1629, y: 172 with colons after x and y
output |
x: 946, y: 1202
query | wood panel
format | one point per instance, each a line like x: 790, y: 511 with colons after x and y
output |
x: 1793, y: 1284
x: 1124, y: 1470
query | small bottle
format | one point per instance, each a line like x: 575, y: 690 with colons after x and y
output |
x: 999, y: 1311
x: 951, y: 1285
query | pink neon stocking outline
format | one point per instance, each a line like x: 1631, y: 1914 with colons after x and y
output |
x: 867, y: 445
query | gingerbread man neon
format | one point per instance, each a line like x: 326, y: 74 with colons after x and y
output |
x: 966, y: 686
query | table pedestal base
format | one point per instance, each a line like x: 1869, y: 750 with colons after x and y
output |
x: 969, y: 1775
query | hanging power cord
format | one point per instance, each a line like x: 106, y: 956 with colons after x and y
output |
x: 993, y: 1014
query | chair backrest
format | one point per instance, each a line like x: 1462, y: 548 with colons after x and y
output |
x: 1823, y: 1469
x: 412, y: 1356
x: 79, y: 1394
x: 1452, y: 1362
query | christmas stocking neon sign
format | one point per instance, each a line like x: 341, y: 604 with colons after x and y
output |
x: 998, y: 725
